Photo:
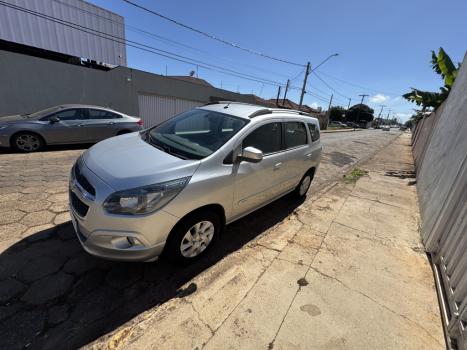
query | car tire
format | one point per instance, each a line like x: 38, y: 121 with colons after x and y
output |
x: 193, y: 237
x: 27, y: 142
x: 123, y: 132
x: 304, y: 184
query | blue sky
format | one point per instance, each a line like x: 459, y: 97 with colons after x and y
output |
x: 384, y: 46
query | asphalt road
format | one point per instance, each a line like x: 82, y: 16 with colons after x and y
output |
x: 52, y: 293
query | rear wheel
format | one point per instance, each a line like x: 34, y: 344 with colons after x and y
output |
x: 302, y: 188
x: 27, y: 142
x: 193, y: 237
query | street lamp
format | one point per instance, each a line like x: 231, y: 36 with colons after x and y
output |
x: 307, y: 72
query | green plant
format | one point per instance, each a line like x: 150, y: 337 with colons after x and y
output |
x: 359, y: 112
x: 442, y: 65
x: 336, y: 113
x: 354, y: 175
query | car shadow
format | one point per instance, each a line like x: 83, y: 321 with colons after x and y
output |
x: 54, y: 295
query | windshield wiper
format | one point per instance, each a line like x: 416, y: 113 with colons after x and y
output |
x: 163, y: 147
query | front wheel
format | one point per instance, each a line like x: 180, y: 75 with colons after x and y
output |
x: 304, y: 185
x: 192, y: 237
x: 27, y: 142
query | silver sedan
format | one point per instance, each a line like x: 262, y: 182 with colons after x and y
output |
x: 65, y: 124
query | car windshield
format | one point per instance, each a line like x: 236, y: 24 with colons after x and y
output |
x: 42, y: 112
x: 194, y: 134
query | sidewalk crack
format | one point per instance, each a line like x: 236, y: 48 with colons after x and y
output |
x: 376, y: 302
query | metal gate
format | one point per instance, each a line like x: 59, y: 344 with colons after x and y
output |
x: 154, y: 109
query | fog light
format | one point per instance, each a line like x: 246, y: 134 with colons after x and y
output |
x: 134, y: 242
x: 126, y: 242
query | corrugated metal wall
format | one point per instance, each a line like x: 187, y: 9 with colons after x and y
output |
x: 30, y: 29
x: 440, y: 152
x: 154, y: 109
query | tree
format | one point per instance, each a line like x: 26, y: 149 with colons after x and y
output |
x: 443, y: 66
x: 336, y: 113
x: 360, y: 113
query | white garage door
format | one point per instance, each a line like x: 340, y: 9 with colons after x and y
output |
x: 154, y: 109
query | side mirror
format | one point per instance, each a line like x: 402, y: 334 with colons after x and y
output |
x: 54, y: 119
x: 252, y: 155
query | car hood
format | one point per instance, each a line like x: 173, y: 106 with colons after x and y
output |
x: 13, y: 118
x: 126, y: 161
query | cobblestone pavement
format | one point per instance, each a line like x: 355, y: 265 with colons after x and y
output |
x: 53, y: 294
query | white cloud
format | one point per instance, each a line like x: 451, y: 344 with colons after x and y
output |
x: 314, y: 105
x: 379, y: 98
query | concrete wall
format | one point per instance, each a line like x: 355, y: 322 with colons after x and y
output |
x: 440, y: 152
x: 30, y: 83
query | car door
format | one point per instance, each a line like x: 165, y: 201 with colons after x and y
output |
x: 68, y: 129
x: 102, y: 124
x: 259, y: 183
x: 298, y: 152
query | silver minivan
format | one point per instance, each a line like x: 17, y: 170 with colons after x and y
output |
x: 172, y: 188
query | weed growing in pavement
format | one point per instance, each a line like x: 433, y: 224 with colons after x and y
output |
x: 354, y: 175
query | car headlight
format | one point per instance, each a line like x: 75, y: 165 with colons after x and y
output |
x: 143, y: 200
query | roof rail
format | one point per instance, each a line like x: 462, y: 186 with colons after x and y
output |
x: 292, y: 111
x: 230, y: 102
x: 260, y: 112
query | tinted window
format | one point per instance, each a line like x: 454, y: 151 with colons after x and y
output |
x: 266, y: 138
x: 101, y: 114
x: 295, y: 134
x: 71, y: 114
x: 195, y: 134
x: 314, y: 132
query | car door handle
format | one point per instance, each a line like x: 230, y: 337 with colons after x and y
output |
x: 80, y: 125
x: 111, y: 123
x: 309, y: 155
x: 277, y: 166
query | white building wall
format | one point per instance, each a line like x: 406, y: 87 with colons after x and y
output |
x: 31, y: 29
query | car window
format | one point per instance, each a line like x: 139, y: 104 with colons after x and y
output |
x: 267, y: 138
x: 101, y: 114
x: 195, y: 134
x: 70, y: 114
x: 295, y: 134
x: 314, y: 131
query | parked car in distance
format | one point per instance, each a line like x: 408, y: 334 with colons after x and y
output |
x: 64, y: 124
x: 335, y: 124
x: 352, y: 125
x: 172, y: 188
x: 386, y: 128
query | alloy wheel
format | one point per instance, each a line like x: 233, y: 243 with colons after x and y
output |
x: 197, y: 239
x: 28, y: 142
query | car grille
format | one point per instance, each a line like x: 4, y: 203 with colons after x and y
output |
x: 80, y: 207
x: 84, y: 183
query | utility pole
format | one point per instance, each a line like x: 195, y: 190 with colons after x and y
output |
x: 363, y: 97
x: 307, y: 72
x: 381, y: 111
x: 278, y: 95
x: 285, y: 93
x: 328, y: 111
x: 350, y: 100
x: 358, y: 114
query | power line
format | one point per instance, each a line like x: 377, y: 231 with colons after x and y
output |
x: 358, y: 86
x: 143, y: 47
x: 165, y: 39
x: 329, y: 86
x: 229, y: 43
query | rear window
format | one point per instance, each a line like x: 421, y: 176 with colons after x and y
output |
x: 295, y: 134
x: 314, y: 131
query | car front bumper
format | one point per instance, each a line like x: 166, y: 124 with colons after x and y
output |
x: 110, y: 236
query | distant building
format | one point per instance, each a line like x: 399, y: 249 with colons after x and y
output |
x: 71, y: 27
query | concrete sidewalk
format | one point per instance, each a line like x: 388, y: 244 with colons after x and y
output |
x: 345, y: 271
